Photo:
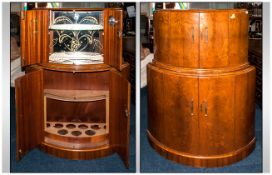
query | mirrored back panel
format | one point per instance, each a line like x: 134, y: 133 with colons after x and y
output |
x: 76, y: 37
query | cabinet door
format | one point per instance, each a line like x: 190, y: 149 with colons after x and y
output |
x: 245, y: 107
x: 120, y: 115
x: 113, y: 37
x: 216, y: 116
x: 238, y: 37
x: 29, y: 112
x: 173, y: 109
x: 34, y: 36
x: 176, y: 40
x: 180, y: 104
x: 214, y: 39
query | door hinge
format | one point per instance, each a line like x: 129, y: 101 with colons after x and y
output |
x: 126, y: 112
x: 22, y: 15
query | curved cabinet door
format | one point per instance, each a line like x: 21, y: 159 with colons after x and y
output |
x: 173, y: 110
x: 34, y: 36
x: 177, y: 38
x: 119, y: 115
x: 216, y: 117
x: 113, y: 46
x: 214, y: 39
x: 29, y: 112
x: 244, y: 108
x: 238, y: 37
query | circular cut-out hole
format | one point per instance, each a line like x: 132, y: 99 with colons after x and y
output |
x: 76, y: 133
x: 47, y: 125
x: 95, y: 127
x: 90, y: 132
x: 63, y: 132
x: 58, y: 125
x: 82, y: 126
x: 70, y: 126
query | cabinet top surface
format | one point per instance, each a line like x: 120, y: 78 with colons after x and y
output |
x: 76, y: 9
x: 201, y: 10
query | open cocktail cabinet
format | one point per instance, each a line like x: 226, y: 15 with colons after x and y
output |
x: 74, y: 100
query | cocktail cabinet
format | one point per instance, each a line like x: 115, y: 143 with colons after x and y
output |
x: 74, y: 100
x: 201, y: 87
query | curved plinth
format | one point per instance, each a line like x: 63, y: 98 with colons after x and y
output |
x: 202, y: 161
x: 82, y: 154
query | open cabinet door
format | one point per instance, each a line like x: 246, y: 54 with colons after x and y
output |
x: 34, y: 36
x: 113, y: 47
x: 29, y: 112
x: 120, y: 115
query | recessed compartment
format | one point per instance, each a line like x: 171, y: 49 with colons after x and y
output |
x: 76, y: 119
x: 76, y: 37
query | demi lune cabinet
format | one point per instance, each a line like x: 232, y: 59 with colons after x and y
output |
x: 200, y: 107
x: 74, y: 100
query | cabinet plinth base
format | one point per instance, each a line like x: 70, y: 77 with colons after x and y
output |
x: 201, y: 161
x: 73, y: 154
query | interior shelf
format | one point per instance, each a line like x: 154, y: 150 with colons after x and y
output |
x: 76, y: 135
x: 75, y: 129
x: 76, y: 58
x: 75, y: 27
x: 76, y: 95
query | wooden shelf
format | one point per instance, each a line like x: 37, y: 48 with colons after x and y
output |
x: 76, y: 95
x: 83, y: 128
x: 76, y: 135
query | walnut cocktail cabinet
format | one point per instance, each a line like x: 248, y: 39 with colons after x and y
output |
x: 201, y: 87
x: 74, y: 101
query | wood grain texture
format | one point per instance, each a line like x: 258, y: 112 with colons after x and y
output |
x: 201, y: 38
x: 113, y: 38
x: 34, y: 37
x: 29, y: 112
x: 92, y: 97
x: 98, y: 93
x: 201, y: 161
x: 120, y: 115
x: 81, y: 154
x: 201, y: 112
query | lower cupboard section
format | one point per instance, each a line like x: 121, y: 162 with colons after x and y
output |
x: 82, y: 154
x: 202, y: 161
x: 207, y: 116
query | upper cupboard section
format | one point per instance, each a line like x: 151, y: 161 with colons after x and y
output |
x: 201, y: 38
x: 72, y: 37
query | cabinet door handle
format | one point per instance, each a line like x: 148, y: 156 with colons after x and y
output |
x: 35, y: 22
x: 206, y: 109
x: 206, y: 36
x: 193, y: 34
x: 192, y: 107
x: 112, y: 21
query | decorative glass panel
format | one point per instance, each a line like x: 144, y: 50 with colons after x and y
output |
x: 76, y: 37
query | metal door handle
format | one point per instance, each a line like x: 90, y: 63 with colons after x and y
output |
x: 206, y: 109
x: 193, y: 34
x: 35, y: 22
x: 112, y: 21
x: 192, y: 107
x: 206, y: 36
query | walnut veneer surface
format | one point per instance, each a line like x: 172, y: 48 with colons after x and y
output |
x: 76, y: 94
x: 201, y: 87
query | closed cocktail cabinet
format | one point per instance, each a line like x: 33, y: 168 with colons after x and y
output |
x: 201, y: 87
